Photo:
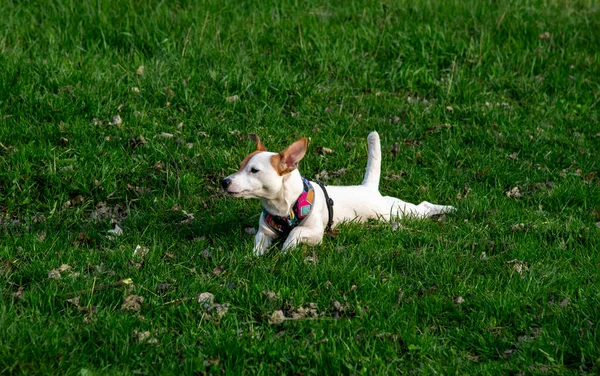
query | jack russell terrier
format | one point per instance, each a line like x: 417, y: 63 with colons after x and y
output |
x: 302, y: 210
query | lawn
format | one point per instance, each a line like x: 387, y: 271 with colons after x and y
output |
x: 119, y: 254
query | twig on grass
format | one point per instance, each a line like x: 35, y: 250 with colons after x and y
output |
x: 176, y: 169
x: 187, y: 40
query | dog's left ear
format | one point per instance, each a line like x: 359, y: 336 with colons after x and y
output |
x: 290, y: 157
x: 259, y: 145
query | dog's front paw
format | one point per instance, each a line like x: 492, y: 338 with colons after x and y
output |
x: 259, y: 252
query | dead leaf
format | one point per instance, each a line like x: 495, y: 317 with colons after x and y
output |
x: 206, y: 299
x: 396, y: 226
x: 144, y: 337
x: 163, y: 287
x: 250, y: 230
x: 56, y: 273
x: 19, y: 293
x: 519, y: 266
x: 168, y: 92
x: 140, y: 70
x: 563, y: 303
x: 41, y: 236
x: 221, y: 310
x: 96, y: 122
x: 132, y: 303
x: 324, y: 150
x: 277, y: 318
x: 116, y: 120
x: 514, y: 192
x: 545, y: 35
x: 337, y: 306
x: 395, y: 149
x: 64, y: 141
x: 271, y: 295
x: 517, y: 227
x: 137, y: 141
x: 459, y: 300
x: 233, y: 98
x: 218, y: 270
x: 116, y: 231
x: 166, y: 135
x: 323, y: 175
x: 212, y: 361
x: 140, y: 251
x: 189, y: 217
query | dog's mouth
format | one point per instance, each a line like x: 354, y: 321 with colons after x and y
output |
x: 238, y: 194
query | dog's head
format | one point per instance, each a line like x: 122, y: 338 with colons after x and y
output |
x: 262, y: 173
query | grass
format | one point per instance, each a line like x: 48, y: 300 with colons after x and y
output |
x: 480, y: 96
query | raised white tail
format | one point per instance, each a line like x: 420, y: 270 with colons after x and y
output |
x: 373, y: 172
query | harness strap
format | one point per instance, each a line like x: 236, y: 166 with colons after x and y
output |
x: 329, y: 202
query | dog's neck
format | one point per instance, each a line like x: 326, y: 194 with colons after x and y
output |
x: 282, y: 202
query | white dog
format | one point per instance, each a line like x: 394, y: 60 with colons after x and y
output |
x: 303, y: 210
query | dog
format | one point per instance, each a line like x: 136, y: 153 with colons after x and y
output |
x: 302, y: 210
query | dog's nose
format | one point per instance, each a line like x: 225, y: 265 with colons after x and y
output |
x: 225, y: 183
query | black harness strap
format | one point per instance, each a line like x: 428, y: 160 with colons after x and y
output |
x: 329, y: 202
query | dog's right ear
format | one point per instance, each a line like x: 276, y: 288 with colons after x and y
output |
x: 287, y: 160
x: 259, y: 145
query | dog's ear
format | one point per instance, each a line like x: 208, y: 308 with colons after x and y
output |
x: 259, y: 145
x: 289, y: 158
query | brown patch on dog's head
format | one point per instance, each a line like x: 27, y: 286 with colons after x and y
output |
x: 259, y: 148
x: 247, y: 159
x: 287, y: 160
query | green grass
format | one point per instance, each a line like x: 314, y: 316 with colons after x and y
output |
x: 479, y: 99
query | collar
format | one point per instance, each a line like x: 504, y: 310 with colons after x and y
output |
x: 301, y: 208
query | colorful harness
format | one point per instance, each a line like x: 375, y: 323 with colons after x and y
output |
x: 301, y: 208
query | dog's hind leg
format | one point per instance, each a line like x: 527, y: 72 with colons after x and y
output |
x: 399, y: 208
x: 373, y: 171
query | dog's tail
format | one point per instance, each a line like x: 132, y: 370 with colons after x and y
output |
x: 373, y: 172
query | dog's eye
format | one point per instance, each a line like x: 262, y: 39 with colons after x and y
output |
x: 253, y: 170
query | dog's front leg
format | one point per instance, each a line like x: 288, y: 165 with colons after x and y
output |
x: 262, y: 242
x: 303, y: 234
